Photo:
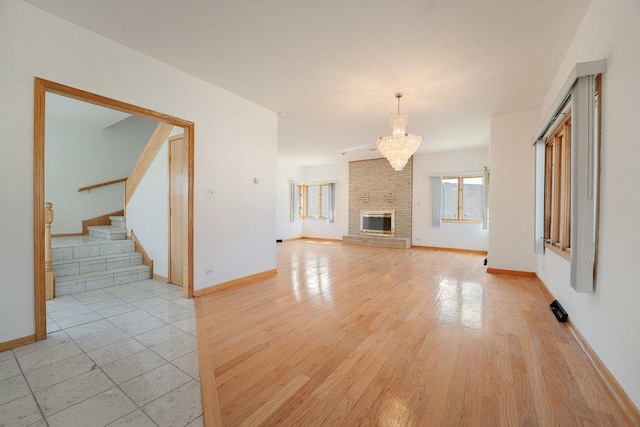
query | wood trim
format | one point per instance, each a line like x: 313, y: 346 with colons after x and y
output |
x: 511, y: 272
x: 612, y: 384
x: 99, y: 220
x: 92, y: 98
x: 149, y: 153
x: 603, y: 372
x: 67, y: 235
x: 160, y: 278
x: 208, y: 388
x: 39, y: 276
x: 189, y: 134
x: 293, y: 238
x: 41, y: 87
x: 242, y: 281
x: 544, y: 289
x: 146, y: 260
x: 18, y: 342
x: 102, y: 184
x: 438, y: 248
x: 321, y: 239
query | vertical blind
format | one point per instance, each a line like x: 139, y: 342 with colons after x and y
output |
x: 579, y: 91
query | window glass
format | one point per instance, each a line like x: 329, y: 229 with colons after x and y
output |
x: 450, y: 198
x: 312, y: 200
x: 472, y: 198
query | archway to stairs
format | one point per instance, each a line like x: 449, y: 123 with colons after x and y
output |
x: 42, y: 87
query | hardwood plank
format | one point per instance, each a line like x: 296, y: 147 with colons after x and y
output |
x: 209, y: 391
x: 352, y: 335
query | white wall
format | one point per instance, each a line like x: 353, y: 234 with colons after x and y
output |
x: 235, y: 141
x: 609, y: 319
x: 148, y: 210
x: 78, y: 155
x: 512, y: 190
x: 322, y: 228
x: 449, y: 235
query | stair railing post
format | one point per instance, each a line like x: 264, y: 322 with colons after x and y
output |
x: 48, y: 271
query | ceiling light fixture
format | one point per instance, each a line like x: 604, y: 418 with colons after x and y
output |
x: 398, y: 147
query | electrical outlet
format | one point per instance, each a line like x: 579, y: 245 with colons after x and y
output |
x: 208, y: 272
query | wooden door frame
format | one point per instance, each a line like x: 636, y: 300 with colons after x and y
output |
x: 41, y: 87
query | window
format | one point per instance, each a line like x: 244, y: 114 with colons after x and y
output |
x: 557, y: 187
x: 312, y: 201
x: 567, y: 175
x: 462, y: 198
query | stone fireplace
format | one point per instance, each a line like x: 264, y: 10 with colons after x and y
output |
x: 379, y: 204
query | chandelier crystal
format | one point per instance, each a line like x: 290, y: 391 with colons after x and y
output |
x: 398, y: 147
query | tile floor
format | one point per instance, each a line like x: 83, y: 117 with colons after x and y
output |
x: 120, y: 356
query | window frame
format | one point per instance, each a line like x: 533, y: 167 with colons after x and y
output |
x: 557, y: 186
x: 302, y: 194
x: 460, y: 218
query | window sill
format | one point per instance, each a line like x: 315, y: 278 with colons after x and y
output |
x: 462, y: 221
x: 566, y: 254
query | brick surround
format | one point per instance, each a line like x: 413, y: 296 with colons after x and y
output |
x: 375, y: 186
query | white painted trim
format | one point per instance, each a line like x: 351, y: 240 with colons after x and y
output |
x: 581, y: 69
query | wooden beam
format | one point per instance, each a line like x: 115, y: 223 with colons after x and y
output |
x: 146, y: 158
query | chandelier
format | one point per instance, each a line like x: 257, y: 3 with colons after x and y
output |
x: 398, y: 147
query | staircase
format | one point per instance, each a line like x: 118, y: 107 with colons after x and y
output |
x: 102, y: 259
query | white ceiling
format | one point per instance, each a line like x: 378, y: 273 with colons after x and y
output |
x: 332, y: 67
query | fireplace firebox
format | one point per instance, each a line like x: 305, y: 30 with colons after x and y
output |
x: 377, y: 223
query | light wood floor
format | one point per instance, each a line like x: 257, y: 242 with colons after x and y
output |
x: 348, y: 335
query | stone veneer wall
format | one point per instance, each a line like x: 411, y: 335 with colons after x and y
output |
x: 374, y: 185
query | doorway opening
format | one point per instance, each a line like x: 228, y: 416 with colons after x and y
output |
x: 42, y: 87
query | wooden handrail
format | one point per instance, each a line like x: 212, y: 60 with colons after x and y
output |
x: 48, y: 271
x: 102, y: 184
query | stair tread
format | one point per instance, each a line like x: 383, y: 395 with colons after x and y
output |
x: 69, y: 242
x: 106, y: 228
x: 103, y: 272
x: 95, y: 258
x: 116, y: 218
